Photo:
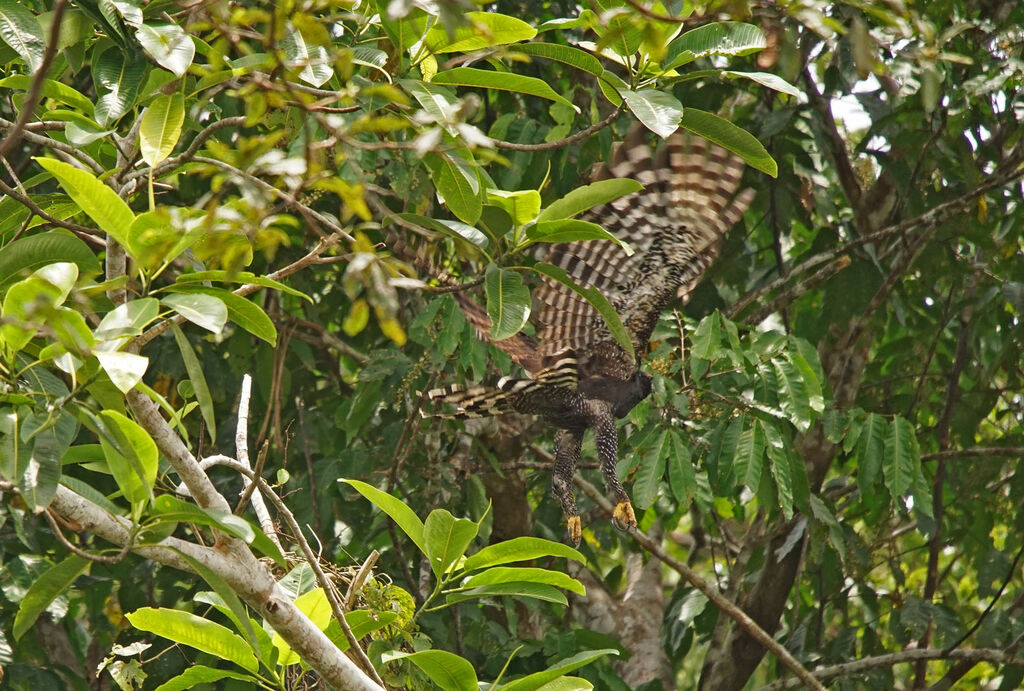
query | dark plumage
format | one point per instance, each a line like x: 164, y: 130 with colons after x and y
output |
x: 579, y: 377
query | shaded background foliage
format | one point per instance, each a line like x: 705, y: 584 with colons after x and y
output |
x: 861, y: 506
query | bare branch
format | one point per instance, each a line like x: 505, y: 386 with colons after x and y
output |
x: 571, y: 139
x: 242, y: 452
x: 87, y: 234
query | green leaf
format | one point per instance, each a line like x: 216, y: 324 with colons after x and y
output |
x: 749, y: 458
x: 510, y: 574
x: 508, y: 301
x: 173, y: 509
x: 457, y: 184
x: 311, y: 57
x: 315, y: 605
x: 233, y: 606
x: 131, y: 455
x: 196, y: 632
x: 658, y: 111
x: 793, y: 397
x: 567, y: 684
x: 201, y: 674
x: 447, y: 670
x: 446, y: 538
x: 454, y: 229
x: 161, y: 127
x: 501, y: 81
x: 567, y: 55
x: 870, y: 450
x: 682, y: 476
x: 169, y: 46
x: 522, y: 206
x: 733, y: 138
x: 587, y: 197
x: 532, y: 682
x: 902, y: 458
x: 519, y: 549
x: 196, y: 376
x: 124, y: 369
x: 720, y: 38
x: 240, y: 277
x: 127, y: 320
x: 50, y: 89
x: 572, y: 230
x: 202, y: 310
x: 20, y: 29
x: 437, y: 101
x: 100, y: 203
x: 536, y: 591
x: 778, y: 456
x: 50, y: 440
x: 707, y: 338
x: 241, y: 311
x: 812, y: 384
x: 482, y: 30
x: 595, y: 298
x: 118, y: 78
x: 401, y: 514
x: 25, y: 255
x: 45, y: 589
x: 651, y: 471
x: 772, y: 81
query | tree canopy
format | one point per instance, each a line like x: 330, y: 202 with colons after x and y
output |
x: 229, y: 238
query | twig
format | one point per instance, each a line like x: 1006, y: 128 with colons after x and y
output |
x: 35, y: 91
x: 571, y: 139
x: 975, y: 452
x: 721, y: 602
x: 87, y: 234
x: 55, y: 525
x: 658, y: 16
x: 73, y: 153
x: 861, y: 666
x: 357, y: 582
x: 242, y: 451
x: 190, y: 152
x: 995, y: 598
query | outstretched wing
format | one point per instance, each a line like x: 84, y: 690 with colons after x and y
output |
x: 674, y: 225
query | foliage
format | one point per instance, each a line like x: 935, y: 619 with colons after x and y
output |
x: 192, y: 193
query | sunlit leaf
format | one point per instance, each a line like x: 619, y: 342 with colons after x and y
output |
x: 196, y: 632
x: 508, y: 301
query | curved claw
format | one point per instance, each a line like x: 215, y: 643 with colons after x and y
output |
x: 623, y: 517
x: 575, y: 530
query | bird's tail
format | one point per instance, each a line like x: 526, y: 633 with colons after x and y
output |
x: 509, y: 396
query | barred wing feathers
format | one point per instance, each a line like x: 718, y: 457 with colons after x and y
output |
x: 675, y: 225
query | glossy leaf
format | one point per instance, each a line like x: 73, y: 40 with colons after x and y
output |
x: 124, y: 369
x: 522, y: 206
x: 446, y: 538
x: 508, y: 302
x: 482, y: 30
x: 733, y: 138
x: 100, y: 203
x: 447, y: 670
x: 201, y: 674
x: 311, y: 57
x: 169, y: 45
x: 587, y: 197
x: 20, y: 29
x: 501, y: 81
x: 532, y: 682
x: 196, y: 632
x: 50, y: 89
x: 202, y: 310
x: 241, y: 311
x: 457, y: 185
x: 402, y: 515
x: 659, y: 111
x: 534, y: 591
x: 161, y: 127
x: 568, y: 55
x: 719, y: 38
x: 173, y: 509
x: 118, y: 78
x: 131, y: 455
x: 519, y: 549
x: 509, y: 574
x: 196, y: 377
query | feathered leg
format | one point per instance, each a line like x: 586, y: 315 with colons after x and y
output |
x: 607, y: 441
x: 567, y: 454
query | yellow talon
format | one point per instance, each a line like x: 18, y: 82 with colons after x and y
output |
x: 623, y: 515
x: 575, y: 529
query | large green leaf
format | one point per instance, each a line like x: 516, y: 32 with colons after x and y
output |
x: 482, y: 30
x: 574, y: 57
x: 502, y: 81
x: 587, y: 197
x: 196, y: 632
x: 454, y: 229
x: 401, y: 514
x: 131, y: 455
x: 793, y: 397
x: 682, y: 476
x: 45, y: 589
x: 870, y: 451
x: 20, y: 29
x: 161, y: 127
x: 536, y: 591
x: 446, y: 538
x: 519, y: 549
x: 169, y: 45
x: 733, y: 138
x: 902, y: 458
x: 749, y: 459
x: 50, y: 89
x: 720, y: 38
x: 659, y: 111
x: 772, y: 81
x: 779, y: 462
x: 201, y: 674
x: 241, y: 311
x: 457, y: 184
x: 651, y: 470
x: 522, y: 206
x: 118, y: 78
x: 447, y: 670
x: 197, y: 377
x: 311, y: 57
x: 532, y: 682
x: 572, y: 230
x: 202, y: 310
x: 240, y: 277
x: 124, y: 369
x: 100, y: 203
x: 595, y: 298
x: 126, y: 321
x: 510, y: 574
x: 25, y: 255
x: 508, y: 301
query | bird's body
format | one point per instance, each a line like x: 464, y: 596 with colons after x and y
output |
x: 579, y: 376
